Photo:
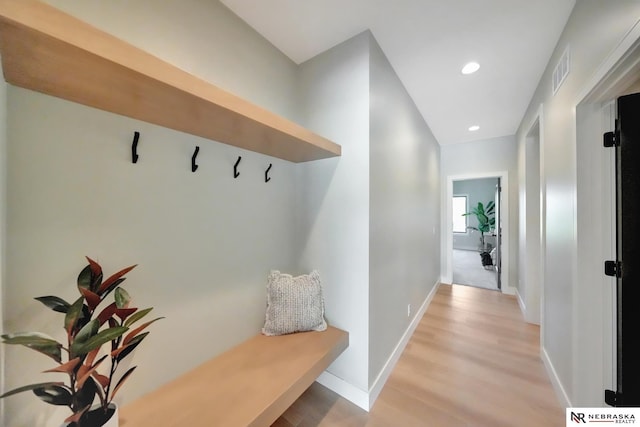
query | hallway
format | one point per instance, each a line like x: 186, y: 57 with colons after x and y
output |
x: 472, y: 362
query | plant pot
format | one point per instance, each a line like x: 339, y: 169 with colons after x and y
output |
x: 97, y: 418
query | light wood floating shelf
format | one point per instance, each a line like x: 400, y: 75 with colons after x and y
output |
x: 49, y: 51
x: 250, y: 385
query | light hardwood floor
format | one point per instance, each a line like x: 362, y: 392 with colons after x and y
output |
x: 471, y: 362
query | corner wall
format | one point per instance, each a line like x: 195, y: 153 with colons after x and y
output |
x: 333, y: 232
x: 404, y: 215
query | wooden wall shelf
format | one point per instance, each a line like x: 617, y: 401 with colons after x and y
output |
x: 49, y: 51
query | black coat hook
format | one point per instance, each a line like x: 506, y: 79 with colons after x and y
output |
x: 266, y: 173
x: 235, y: 167
x: 134, y: 147
x: 194, y: 167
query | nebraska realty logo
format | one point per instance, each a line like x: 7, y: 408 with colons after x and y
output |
x: 602, y: 416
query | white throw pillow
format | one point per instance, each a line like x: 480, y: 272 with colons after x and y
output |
x: 294, y: 304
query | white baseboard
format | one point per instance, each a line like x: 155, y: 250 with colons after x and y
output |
x: 348, y: 391
x: 555, y: 380
x: 365, y: 399
x: 523, y: 307
x: 508, y: 290
x: 380, y: 381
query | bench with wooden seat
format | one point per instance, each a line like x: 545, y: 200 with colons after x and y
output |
x: 252, y: 384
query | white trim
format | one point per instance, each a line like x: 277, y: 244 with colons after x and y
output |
x: 523, y: 306
x: 601, y: 82
x: 561, y: 393
x: 529, y: 284
x: 447, y: 274
x: 383, y: 376
x: 361, y: 398
x: 350, y: 392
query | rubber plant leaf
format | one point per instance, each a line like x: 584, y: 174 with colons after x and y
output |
x: 102, y: 379
x: 55, y: 303
x: 87, y: 279
x: 105, y: 285
x: 122, y: 298
x: 29, y: 387
x: 107, y: 313
x: 75, y: 417
x: 124, y: 313
x: 84, y: 374
x: 97, y: 340
x: 86, y: 394
x: 123, y: 352
x: 54, y: 395
x: 135, y: 332
x: 86, y: 332
x: 92, y: 299
x: 38, y: 342
x: 137, y: 316
x: 122, y: 380
x: 66, y: 368
x: 73, y: 314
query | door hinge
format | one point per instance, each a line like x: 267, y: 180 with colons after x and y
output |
x: 612, y: 398
x: 613, y: 268
x: 610, y: 139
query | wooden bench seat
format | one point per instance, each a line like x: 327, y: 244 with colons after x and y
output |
x: 250, y: 385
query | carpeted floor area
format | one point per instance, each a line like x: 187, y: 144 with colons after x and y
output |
x: 468, y: 270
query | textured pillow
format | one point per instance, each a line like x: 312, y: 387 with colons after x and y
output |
x: 294, y: 304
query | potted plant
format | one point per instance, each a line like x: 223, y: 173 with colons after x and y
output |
x: 98, y: 336
x: 486, y: 223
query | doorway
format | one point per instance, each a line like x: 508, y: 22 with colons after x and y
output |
x: 447, y: 229
x: 476, y: 233
x: 531, y: 225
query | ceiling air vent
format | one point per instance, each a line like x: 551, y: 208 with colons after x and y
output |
x: 561, y: 71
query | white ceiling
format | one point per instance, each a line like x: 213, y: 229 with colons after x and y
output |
x: 427, y: 43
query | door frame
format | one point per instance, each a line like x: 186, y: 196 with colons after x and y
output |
x: 447, y: 275
x: 591, y: 342
x: 532, y: 248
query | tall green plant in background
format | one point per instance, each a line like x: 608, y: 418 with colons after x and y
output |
x: 486, y: 220
x: 88, y: 326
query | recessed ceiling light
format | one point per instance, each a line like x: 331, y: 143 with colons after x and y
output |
x: 474, y: 128
x: 470, y: 68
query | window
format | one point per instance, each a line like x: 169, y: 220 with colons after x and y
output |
x: 459, y: 208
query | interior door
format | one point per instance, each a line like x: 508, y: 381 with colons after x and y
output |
x: 626, y: 140
x: 498, y: 231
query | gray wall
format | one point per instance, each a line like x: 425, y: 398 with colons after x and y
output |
x: 594, y: 29
x: 333, y: 235
x: 477, y: 190
x: 404, y: 221
x: 204, y: 241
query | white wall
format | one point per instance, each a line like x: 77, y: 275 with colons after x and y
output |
x: 477, y: 190
x: 594, y: 29
x: 485, y: 158
x: 333, y: 231
x: 204, y: 241
x: 404, y: 219
x: 202, y: 37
